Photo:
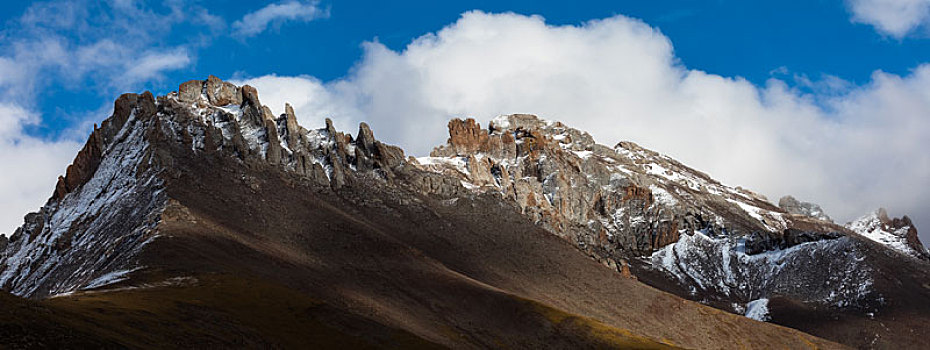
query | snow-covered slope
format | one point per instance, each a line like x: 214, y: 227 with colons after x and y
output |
x: 719, y: 268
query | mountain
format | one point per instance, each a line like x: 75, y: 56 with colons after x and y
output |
x: 205, y: 220
x: 677, y: 229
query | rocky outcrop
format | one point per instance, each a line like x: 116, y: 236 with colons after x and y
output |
x: 190, y: 91
x: 221, y: 93
x: 910, y: 238
x: 232, y: 120
x: 899, y: 234
x: 792, y: 206
x: 101, y: 214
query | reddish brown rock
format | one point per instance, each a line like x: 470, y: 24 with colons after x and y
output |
x: 221, y: 93
x: 190, y: 91
x: 291, y: 126
x: 249, y: 95
x: 86, y: 162
x: 467, y: 137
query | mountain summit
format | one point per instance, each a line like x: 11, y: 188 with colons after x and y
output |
x: 203, y: 206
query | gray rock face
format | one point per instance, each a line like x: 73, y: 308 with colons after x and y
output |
x: 3, y: 242
x: 792, y: 206
x: 94, y: 226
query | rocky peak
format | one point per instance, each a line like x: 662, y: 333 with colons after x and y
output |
x: 632, y: 209
x: 466, y: 137
x: 237, y: 122
x: 795, y: 207
x: 108, y: 203
x: 85, y: 164
x: 897, y: 233
x: 221, y: 93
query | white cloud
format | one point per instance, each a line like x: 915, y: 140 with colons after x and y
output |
x: 152, y: 64
x: 851, y: 148
x: 896, y: 18
x: 31, y: 166
x: 256, y: 22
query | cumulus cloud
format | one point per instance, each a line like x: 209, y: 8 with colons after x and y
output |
x: 256, y: 22
x: 851, y: 148
x: 896, y: 18
x: 31, y: 166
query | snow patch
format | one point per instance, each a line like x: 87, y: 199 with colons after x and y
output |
x: 720, y: 265
x: 110, y: 278
x: 662, y: 196
x: 758, y: 309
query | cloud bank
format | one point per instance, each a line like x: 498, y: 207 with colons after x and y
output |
x: 896, y: 18
x: 30, y: 165
x: 619, y: 79
x: 256, y: 22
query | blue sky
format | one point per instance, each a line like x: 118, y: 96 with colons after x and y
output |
x: 820, y: 99
x: 753, y: 40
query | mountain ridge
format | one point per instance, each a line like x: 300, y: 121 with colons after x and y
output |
x: 171, y: 169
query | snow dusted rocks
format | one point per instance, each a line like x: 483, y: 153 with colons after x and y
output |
x: 108, y: 205
x: 102, y: 212
x: 899, y: 234
x: 719, y: 269
x: 793, y: 206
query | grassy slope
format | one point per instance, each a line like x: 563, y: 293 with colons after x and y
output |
x: 26, y: 324
x: 223, y: 311
x: 212, y: 311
